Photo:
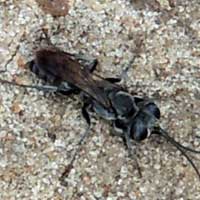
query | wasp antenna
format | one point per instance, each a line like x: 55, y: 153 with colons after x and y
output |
x: 163, y: 132
x: 180, y: 147
x: 42, y: 87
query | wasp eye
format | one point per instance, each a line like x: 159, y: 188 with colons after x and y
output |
x: 138, y: 130
x: 153, y: 109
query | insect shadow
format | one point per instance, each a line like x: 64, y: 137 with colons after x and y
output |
x: 132, y: 117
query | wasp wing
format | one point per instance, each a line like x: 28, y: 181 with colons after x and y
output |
x: 63, y: 67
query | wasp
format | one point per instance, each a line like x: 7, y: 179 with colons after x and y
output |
x: 133, y: 117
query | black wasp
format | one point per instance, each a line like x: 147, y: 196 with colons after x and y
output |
x: 133, y: 117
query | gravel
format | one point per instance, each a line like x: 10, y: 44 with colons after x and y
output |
x: 39, y: 131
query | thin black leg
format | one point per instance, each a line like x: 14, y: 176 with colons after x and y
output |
x: 90, y: 63
x: 114, y: 80
x: 86, y: 116
x: 130, y: 152
x: 85, y: 113
x: 45, y: 88
x: 124, y: 74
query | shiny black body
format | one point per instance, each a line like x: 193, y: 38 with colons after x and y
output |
x: 133, y: 117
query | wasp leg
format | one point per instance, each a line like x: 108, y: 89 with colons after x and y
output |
x: 113, y: 80
x: 117, y: 133
x: 124, y: 74
x: 67, y: 89
x: 119, y: 128
x: 103, y: 112
x: 90, y: 63
x: 85, y: 113
x: 45, y: 88
x: 130, y: 152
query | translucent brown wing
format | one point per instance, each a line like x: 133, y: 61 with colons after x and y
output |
x: 64, y: 67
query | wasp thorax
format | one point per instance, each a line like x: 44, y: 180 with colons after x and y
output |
x: 152, y: 109
x: 123, y: 103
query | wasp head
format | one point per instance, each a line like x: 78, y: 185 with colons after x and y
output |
x: 142, y: 124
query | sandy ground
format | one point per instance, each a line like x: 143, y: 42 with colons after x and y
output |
x: 39, y: 131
